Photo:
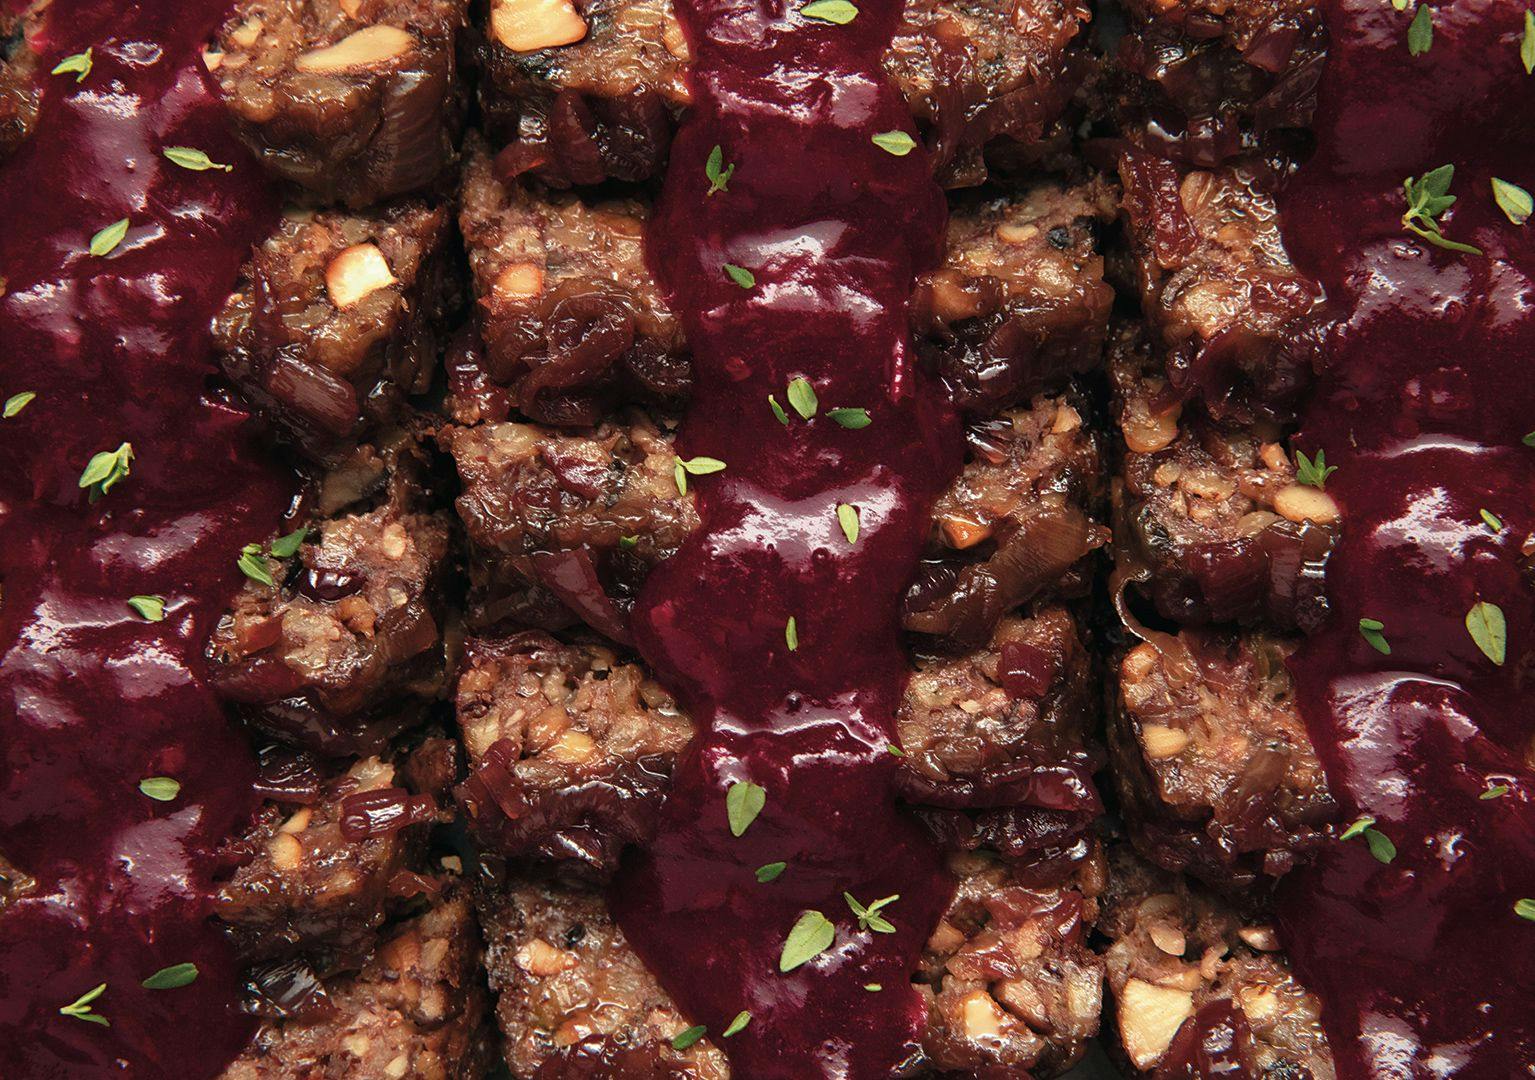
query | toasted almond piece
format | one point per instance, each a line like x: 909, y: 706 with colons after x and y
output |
x: 357, y: 272
x: 951, y: 300
x: 351, y: 7
x: 1161, y: 741
x: 368, y: 46
x: 1010, y: 233
x: 520, y: 281
x: 982, y: 1018
x: 946, y: 937
x: 1260, y: 1003
x: 542, y: 959
x: 1149, y: 1017
x: 529, y: 25
x: 246, y: 34
x: 286, y: 852
x: 212, y: 58
x: 1067, y: 420
x: 572, y: 747
x: 1274, y: 457
x: 1195, y: 191
x: 399, y: 1066
x: 299, y: 821
x: 1169, y: 939
x: 1147, y: 432
x: 1261, y: 938
x: 1297, y: 502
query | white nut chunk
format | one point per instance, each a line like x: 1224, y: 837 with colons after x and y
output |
x: 1149, y: 1017
x: 365, y: 48
x: 1297, y: 502
x: 528, y: 25
x: 355, y: 273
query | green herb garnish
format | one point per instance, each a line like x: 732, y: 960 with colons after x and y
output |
x: 160, y: 788
x: 1428, y: 196
x: 791, y: 634
x: 783, y: 417
x: 1370, y: 630
x: 742, y: 1019
x: 285, y: 547
x: 1527, y: 43
x: 811, y: 935
x: 1525, y: 908
x: 1491, y: 520
x: 1379, y: 843
x: 742, y: 277
x: 717, y: 172
x: 108, y: 238
x: 855, y: 418
x: 1489, y: 630
x: 78, y: 65
x: 1313, y: 473
x: 254, y: 565
x: 869, y: 918
x: 196, y: 160
x: 689, y: 1037
x: 802, y: 398
x: 831, y: 11
x: 770, y: 871
x: 1513, y: 200
x: 1497, y: 791
x: 698, y: 466
x: 16, y: 402
x: 107, y: 468
x: 80, y: 1008
x: 743, y: 802
x: 171, y: 978
x: 1420, y: 34
x: 150, y: 608
x: 847, y: 517
x: 897, y: 143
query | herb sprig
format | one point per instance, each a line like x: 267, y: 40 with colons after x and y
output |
x: 1428, y: 196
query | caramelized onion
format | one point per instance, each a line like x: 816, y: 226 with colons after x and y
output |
x: 572, y: 576
x: 366, y: 814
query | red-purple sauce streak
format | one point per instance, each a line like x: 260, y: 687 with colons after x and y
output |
x: 834, y: 230
x: 1423, y: 965
x: 94, y: 697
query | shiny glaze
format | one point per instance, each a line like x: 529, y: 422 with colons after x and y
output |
x: 1422, y: 964
x: 835, y: 230
x: 94, y: 697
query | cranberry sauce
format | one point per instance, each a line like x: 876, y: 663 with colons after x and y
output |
x: 1424, y: 965
x: 97, y: 697
x: 823, y: 231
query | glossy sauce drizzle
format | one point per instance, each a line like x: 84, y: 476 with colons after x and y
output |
x: 1424, y: 967
x: 833, y: 230
x: 94, y: 698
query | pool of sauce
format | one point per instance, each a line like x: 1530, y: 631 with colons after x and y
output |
x: 834, y: 230
x: 94, y: 698
x: 1422, y: 964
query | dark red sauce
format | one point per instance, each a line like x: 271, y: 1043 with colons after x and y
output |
x: 94, y: 697
x: 834, y: 230
x: 1423, y: 965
